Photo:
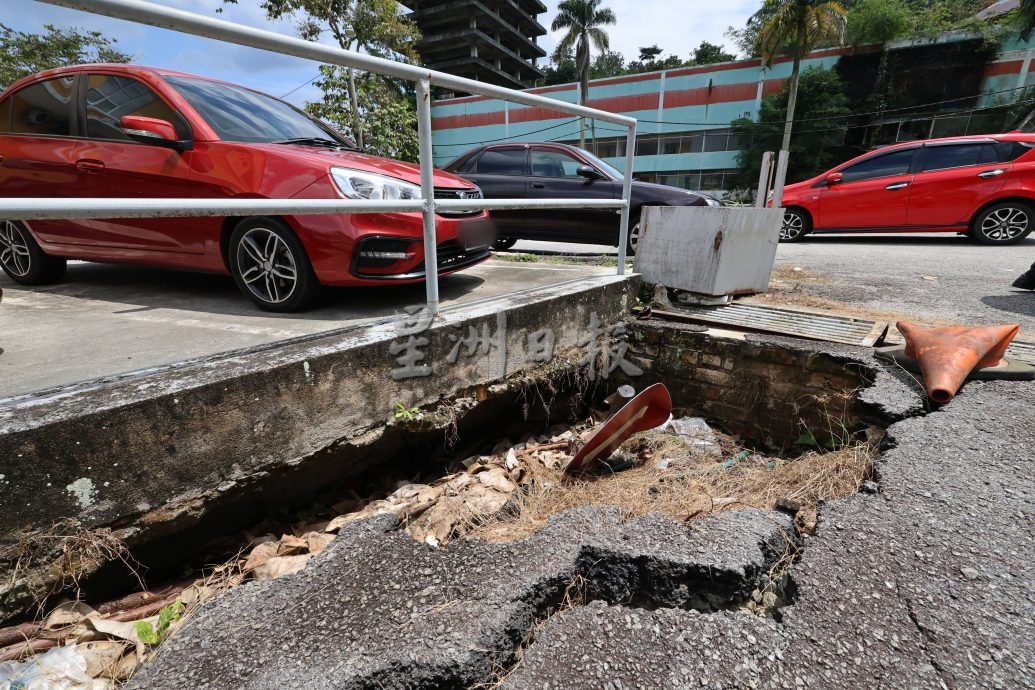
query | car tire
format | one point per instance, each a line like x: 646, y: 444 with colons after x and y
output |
x: 271, y: 266
x: 634, y: 236
x: 503, y: 243
x: 796, y: 225
x: 22, y: 259
x: 1003, y: 223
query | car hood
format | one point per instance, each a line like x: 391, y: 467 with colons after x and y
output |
x: 666, y: 191
x: 408, y: 172
x: 799, y: 187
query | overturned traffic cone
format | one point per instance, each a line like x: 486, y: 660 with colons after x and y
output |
x: 947, y: 356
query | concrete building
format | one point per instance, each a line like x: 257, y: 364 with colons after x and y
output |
x: 684, y: 115
x: 494, y: 41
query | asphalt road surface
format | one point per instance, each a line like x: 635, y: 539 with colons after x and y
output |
x: 941, y: 277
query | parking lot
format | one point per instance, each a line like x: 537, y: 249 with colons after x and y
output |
x: 105, y: 320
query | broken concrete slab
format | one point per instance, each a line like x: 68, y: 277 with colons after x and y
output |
x: 928, y: 584
x: 379, y: 609
x: 154, y: 453
x: 602, y: 647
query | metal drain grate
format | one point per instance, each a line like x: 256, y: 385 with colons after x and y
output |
x: 800, y: 324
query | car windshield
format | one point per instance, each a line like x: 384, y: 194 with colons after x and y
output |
x: 601, y: 165
x: 239, y: 114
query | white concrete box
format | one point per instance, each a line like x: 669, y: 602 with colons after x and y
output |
x: 708, y: 250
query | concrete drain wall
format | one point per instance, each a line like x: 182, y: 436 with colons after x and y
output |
x: 768, y: 391
x: 764, y: 392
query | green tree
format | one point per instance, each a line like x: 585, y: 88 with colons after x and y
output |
x: 1026, y: 18
x: 24, y: 53
x: 609, y: 64
x: 388, y: 108
x: 823, y: 107
x: 710, y: 54
x: 649, y: 61
x: 583, y: 20
x: 797, y: 27
x: 746, y: 37
x: 878, y: 21
x: 372, y: 26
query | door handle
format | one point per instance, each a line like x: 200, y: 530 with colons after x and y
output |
x: 538, y: 185
x: 89, y: 165
x: 989, y: 174
x: 897, y: 185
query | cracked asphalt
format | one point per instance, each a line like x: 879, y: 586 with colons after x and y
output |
x: 927, y: 583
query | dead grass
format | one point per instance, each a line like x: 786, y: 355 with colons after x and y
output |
x: 791, y: 275
x: 58, y: 558
x: 692, y: 485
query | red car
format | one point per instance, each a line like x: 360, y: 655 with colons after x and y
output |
x: 137, y: 132
x: 983, y: 186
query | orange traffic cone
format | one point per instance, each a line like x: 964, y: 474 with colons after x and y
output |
x: 948, y: 355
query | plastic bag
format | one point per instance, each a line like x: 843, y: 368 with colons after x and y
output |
x: 59, y: 668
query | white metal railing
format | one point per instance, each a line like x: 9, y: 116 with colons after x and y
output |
x: 222, y: 30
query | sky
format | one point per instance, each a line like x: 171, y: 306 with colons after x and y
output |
x: 640, y: 23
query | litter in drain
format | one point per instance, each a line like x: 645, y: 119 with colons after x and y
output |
x: 800, y: 324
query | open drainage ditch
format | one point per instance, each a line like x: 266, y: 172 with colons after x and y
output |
x: 784, y: 430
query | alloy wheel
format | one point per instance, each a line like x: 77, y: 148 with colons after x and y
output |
x: 634, y: 236
x: 14, y: 250
x: 793, y: 226
x: 266, y: 265
x: 1005, y: 224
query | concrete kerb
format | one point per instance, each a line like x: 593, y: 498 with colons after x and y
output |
x: 107, y: 453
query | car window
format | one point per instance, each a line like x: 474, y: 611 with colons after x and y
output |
x: 1012, y: 150
x: 502, y: 162
x: 958, y: 156
x: 5, y: 115
x: 243, y: 115
x: 468, y: 165
x: 554, y: 164
x: 108, y: 98
x: 894, y: 163
x: 44, y: 109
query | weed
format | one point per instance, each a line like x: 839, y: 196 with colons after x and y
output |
x: 166, y: 617
x: 406, y: 414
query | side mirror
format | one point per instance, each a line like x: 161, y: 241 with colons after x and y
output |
x: 834, y: 178
x: 150, y: 130
x: 589, y: 172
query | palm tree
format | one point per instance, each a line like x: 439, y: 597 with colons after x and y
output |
x: 797, y: 27
x: 1026, y: 15
x: 582, y: 19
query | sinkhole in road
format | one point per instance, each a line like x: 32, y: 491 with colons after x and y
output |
x: 757, y: 426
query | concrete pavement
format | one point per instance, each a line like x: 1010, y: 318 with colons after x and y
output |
x: 105, y: 320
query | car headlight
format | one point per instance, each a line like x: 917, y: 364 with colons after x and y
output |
x: 363, y: 185
x: 712, y: 201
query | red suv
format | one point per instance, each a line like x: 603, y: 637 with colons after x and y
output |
x: 126, y: 131
x: 983, y: 186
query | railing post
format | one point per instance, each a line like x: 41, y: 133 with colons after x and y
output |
x: 623, y: 231
x: 765, y: 175
x: 427, y: 185
x: 781, y: 178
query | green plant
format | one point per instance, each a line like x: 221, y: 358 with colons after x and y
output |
x: 583, y: 20
x: 406, y: 414
x: 166, y: 617
x: 797, y: 27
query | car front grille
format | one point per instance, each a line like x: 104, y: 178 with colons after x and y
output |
x: 457, y: 193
